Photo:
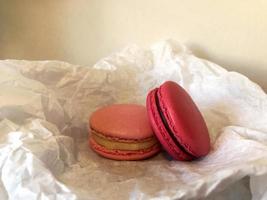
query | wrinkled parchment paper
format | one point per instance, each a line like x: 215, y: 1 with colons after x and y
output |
x: 44, y: 110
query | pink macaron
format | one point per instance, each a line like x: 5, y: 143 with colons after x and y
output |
x: 177, y: 122
x: 122, y: 132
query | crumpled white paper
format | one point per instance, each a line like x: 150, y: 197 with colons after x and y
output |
x: 44, y: 110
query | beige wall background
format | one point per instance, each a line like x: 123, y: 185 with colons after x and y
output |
x: 230, y: 33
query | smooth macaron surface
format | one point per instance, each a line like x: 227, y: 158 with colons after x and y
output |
x: 177, y: 122
x: 122, y: 132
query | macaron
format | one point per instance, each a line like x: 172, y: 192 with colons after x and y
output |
x: 177, y: 122
x: 122, y: 132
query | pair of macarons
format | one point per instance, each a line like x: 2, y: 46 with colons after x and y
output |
x: 170, y: 120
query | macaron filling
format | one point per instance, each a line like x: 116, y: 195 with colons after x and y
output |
x: 164, y: 121
x: 124, y: 145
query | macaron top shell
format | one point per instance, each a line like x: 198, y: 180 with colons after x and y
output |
x: 184, y: 119
x: 122, y: 121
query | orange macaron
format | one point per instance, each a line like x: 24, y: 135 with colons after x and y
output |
x: 122, y: 132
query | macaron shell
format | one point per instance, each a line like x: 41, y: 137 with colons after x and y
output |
x: 184, y: 119
x: 126, y: 121
x: 123, y: 155
x: 160, y: 130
